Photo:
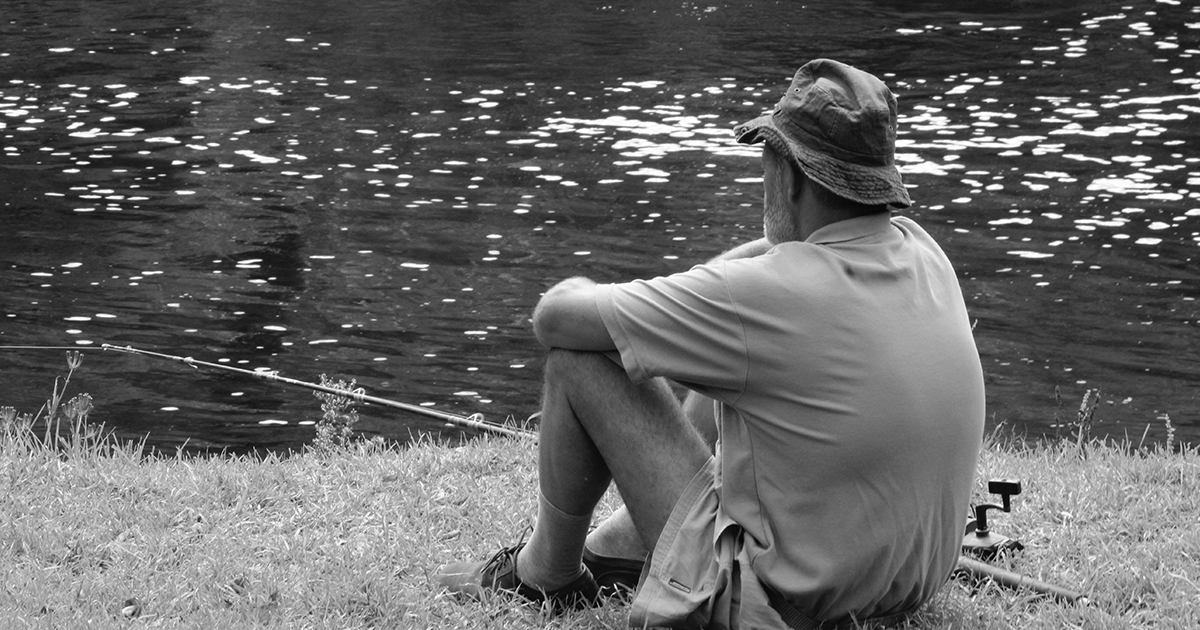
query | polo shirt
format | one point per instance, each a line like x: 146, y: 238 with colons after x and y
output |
x: 851, y: 405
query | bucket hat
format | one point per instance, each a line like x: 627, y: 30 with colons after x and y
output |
x: 839, y: 123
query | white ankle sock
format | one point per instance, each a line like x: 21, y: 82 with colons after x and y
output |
x: 552, y: 557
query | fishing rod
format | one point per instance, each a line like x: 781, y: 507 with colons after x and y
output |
x: 474, y: 421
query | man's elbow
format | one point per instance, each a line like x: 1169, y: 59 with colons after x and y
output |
x: 551, y: 316
x: 544, y: 326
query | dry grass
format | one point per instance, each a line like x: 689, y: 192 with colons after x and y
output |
x: 1116, y: 523
x: 343, y: 540
x: 347, y: 537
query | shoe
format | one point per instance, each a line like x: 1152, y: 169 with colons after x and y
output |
x: 613, y: 575
x: 499, y: 574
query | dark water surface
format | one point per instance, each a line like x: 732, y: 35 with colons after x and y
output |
x: 380, y: 190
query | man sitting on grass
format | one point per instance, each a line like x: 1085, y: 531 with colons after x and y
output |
x: 820, y: 468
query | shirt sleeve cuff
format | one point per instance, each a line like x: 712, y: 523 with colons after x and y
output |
x: 605, y: 303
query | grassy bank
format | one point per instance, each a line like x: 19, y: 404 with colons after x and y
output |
x: 348, y: 537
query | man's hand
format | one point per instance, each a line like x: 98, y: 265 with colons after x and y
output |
x: 567, y: 317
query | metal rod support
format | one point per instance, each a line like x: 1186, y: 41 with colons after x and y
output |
x: 1015, y: 580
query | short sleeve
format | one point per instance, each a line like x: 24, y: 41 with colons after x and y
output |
x: 684, y: 327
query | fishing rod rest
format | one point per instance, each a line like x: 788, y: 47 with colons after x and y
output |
x: 980, y: 540
x: 985, y: 544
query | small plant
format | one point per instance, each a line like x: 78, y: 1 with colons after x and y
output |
x: 11, y: 424
x: 17, y: 427
x: 1085, y: 419
x: 74, y: 360
x: 335, y: 429
x: 79, y: 436
x: 1058, y: 408
x: 1166, y: 418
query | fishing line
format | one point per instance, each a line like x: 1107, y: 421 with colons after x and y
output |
x: 50, y: 348
x: 474, y: 421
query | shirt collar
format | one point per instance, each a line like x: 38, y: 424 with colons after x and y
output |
x: 851, y: 229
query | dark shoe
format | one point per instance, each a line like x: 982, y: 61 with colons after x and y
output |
x: 613, y: 575
x: 499, y: 574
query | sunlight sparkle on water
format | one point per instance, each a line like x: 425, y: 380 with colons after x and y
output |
x: 257, y: 166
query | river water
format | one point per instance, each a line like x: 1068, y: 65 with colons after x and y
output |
x: 381, y: 190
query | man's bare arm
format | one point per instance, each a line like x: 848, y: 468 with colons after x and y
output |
x: 567, y: 317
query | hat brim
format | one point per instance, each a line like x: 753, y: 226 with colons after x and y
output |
x: 869, y: 185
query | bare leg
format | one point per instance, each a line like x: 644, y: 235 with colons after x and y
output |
x: 597, y: 424
x: 616, y: 536
x: 700, y: 413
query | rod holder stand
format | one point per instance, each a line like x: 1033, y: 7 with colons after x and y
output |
x: 979, y: 539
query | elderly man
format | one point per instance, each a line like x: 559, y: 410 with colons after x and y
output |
x: 820, y: 469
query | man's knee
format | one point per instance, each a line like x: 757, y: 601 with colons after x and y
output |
x: 594, y: 381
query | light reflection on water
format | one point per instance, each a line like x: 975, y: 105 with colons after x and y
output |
x: 319, y: 194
